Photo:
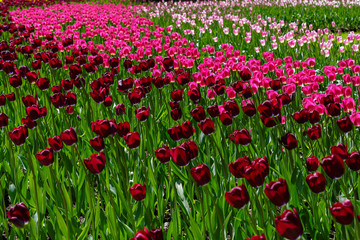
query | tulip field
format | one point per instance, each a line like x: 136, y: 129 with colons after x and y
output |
x: 152, y: 120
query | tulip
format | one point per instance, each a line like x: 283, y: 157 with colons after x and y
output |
x: 201, y: 174
x: 163, y: 154
x: 46, y: 156
x: 238, y: 197
x: 96, y: 163
x: 138, y: 192
x: 207, y: 126
x: 69, y: 136
x: 278, y: 192
x: 289, y: 141
x: 312, y: 163
x: 288, y: 224
x: 19, y: 215
x: 97, y: 143
x: 18, y: 135
x: 132, y: 139
x: 316, y: 182
x: 333, y: 165
x: 237, y: 168
x: 241, y: 137
x: 343, y: 212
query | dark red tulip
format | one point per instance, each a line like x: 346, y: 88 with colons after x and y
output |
x: 289, y: 141
x: 256, y: 172
x: 168, y: 64
x: 192, y: 150
x: 55, y: 143
x: 333, y: 109
x: 127, y: 64
x: 4, y: 120
x: 114, y: 62
x: 120, y: 109
x: 314, y: 132
x: 301, y: 116
x: 154, y: 234
x: 176, y: 95
x: 125, y: 84
x: 232, y: 107
x: 194, y: 95
x: 19, y: 215
x: 288, y: 224
x: 237, y: 168
x: 163, y: 154
x: 270, y: 121
x: 316, y: 182
x: 46, y: 156
x: 67, y: 84
x: 104, y: 127
x: 28, y: 100
x: 176, y: 114
x: 142, y: 113
x: 30, y: 124
x: 180, y: 155
x: 43, y: 83
x: 175, y: 132
x: 69, y: 136
x: 248, y: 108
x: 10, y: 97
x: 314, y: 117
x: 198, y: 113
x: 345, y: 124
x: 333, y: 165
x: 123, y: 128
x: 19, y: 134
x: 201, y: 174
x: 340, y: 150
x: 265, y: 109
x: 278, y: 192
x: 257, y: 237
x: 245, y: 73
x: 96, y: 163
x: 226, y: 118
x: 237, y: 197
x: 33, y: 112
x: 213, y: 111
x: 58, y: 100
x: 138, y: 192
x: 187, y: 129
x: 132, y: 139
x: 312, y: 163
x: 207, y: 126
x: 2, y: 100
x: 353, y: 161
x: 241, y: 137
x: 343, y: 212
x: 97, y: 143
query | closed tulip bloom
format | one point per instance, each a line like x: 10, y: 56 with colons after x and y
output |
x: 97, y: 143
x: 163, y: 154
x: 226, y: 118
x: 201, y: 174
x: 19, y: 134
x: 333, y: 165
x: 301, y: 116
x: 288, y: 224
x: 69, y: 136
x: 138, y: 191
x: 314, y: 132
x: 237, y: 168
x: 123, y: 128
x: 241, y: 137
x: 198, y: 113
x: 345, y: 124
x: 19, y: 215
x: 343, y: 212
x: 278, y: 192
x: 46, y: 156
x: 340, y: 150
x: 289, y: 141
x: 207, y: 126
x: 353, y: 161
x: 132, y: 139
x: 213, y: 111
x: 312, y: 163
x: 154, y: 234
x: 237, y: 197
x: 180, y: 156
x: 4, y: 120
x: 96, y: 163
x: 316, y: 182
x: 142, y: 113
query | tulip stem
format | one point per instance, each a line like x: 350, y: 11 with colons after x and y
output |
x: 217, y: 212
x: 64, y: 200
x: 222, y: 159
x: 92, y: 209
x: 200, y: 199
x: 112, y: 204
x: 251, y: 219
x: 173, y: 202
x: 35, y: 189
x: 4, y: 209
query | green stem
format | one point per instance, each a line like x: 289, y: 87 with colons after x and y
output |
x: 217, y: 212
